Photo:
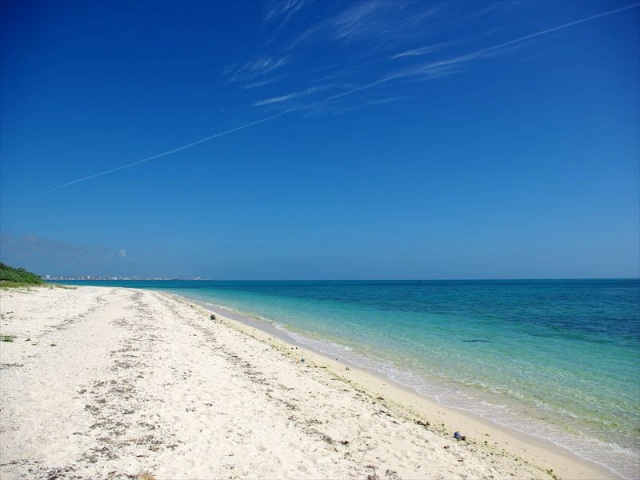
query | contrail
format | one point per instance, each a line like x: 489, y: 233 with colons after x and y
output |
x: 469, y: 56
x: 344, y: 94
x: 168, y: 152
x: 560, y: 27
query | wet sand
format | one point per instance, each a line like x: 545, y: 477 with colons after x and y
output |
x: 101, y: 382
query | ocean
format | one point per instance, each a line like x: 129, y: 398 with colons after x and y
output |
x: 557, y: 359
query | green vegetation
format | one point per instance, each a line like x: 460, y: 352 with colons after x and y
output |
x: 17, y: 277
x: 7, y: 338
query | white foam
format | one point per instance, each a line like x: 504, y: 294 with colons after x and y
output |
x: 602, y: 453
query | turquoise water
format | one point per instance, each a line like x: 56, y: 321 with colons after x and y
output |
x: 559, y: 359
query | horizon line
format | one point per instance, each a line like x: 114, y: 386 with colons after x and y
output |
x: 103, y: 278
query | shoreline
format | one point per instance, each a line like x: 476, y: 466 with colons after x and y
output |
x: 117, y: 382
x: 539, y: 451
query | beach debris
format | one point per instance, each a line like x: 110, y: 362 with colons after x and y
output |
x: 458, y: 436
x: 392, y: 474
x: 213, y: 317
x: 302, y: 360
x: 423, y: 424
x: 347, y: 368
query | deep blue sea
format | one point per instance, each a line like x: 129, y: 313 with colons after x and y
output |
x: 558, y: 359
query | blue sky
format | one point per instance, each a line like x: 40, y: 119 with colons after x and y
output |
x: 320, y: 139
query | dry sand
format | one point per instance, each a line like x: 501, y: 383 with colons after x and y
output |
x: 123, y: 383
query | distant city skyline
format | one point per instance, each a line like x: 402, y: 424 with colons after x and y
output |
x: 321, y: 139
x: 116, y: 278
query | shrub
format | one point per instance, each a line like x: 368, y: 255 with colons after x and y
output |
x: 17, y: 275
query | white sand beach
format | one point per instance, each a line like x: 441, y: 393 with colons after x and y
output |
x: 101, y: 382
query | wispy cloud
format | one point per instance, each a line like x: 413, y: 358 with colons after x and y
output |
x: 421, y: 71
x: 504, y: 47
x: 293, y: 95
x: 283, y: 98
x: 380, y: 21
x: 459, y: 63
x: 417, y: 52
x: 283, y: 9
x: 375, y: 24
x: 327, y: 108
x: 362, y: 20
x: 265, y: 64
x: 260, y: 83
x: 257, y: 67
x: 486, y: 10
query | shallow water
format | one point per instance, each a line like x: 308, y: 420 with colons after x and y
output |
x: 559, y: 359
